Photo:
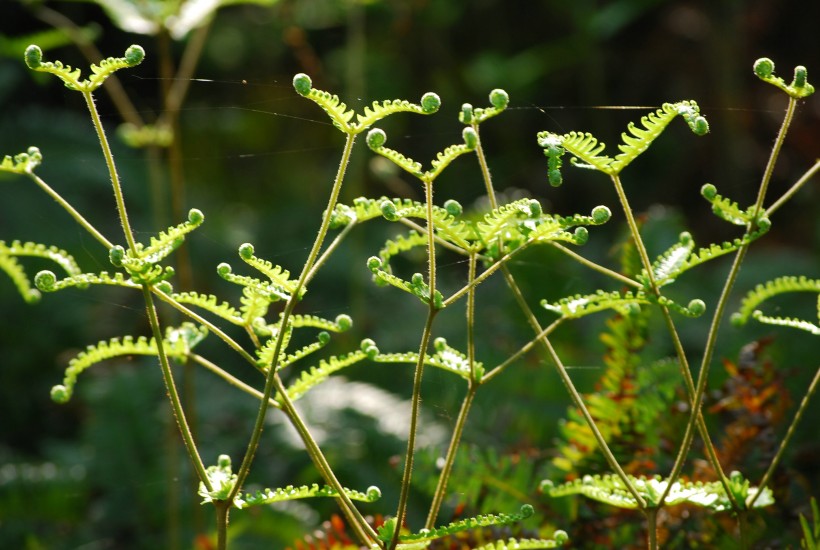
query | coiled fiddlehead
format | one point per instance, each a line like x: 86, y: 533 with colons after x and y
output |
x: 71, y: 77
x: 22, y: 163
x: 799, y: 87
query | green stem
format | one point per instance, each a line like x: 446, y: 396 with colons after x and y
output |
x: 596, y: 267
x: 112, y: 171
x: 404, y: 494
x: 449, y: 460
x: 363, y: 529
x: 272, y: 380
x: 652, y: 528
x: 71, y: 210
x: 223, y: 508
x: 804, y: 404
x: 720, y: 307
x: 793, y: 189
x: 173, y: 394
x: 524, y: 349
x: 574, y: 395
x: 461, y: 420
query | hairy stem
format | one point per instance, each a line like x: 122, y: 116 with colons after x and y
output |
x: 401, y: 511
x: 794, y: 188
x: 804, y: 404
x: 85, y: 224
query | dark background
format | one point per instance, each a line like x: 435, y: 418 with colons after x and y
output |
x: 258, y: 161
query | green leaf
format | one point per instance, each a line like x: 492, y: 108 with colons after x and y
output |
x: 445, y: 358
x: 376, y: 139
x: 781, y: 285
x: 9, y: 264
x: 22, y: 163
x: 46, y: 281
x: 574, y: 307
x: 560, y: 538
x: 269, y: 496
x: 488, y: 520
x: 316, y: 375
x: 177, y: 343
x: 610, y: 489
x: 210, y: 303
x: 71, y: 77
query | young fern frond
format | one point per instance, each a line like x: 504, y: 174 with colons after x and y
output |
x: 364, y: 209
x: 269, y: 496
x: 46, y: 281
x: 799, y: 87
x: 272, y: 291
x: 574, y: 307
x: 560, y: 538
x: 669, y: 264
x: 499, y: 100
x: 341, y: 116
x: 725, y: 208
x: 316, y: 375
x: 22, y: 163
x: 178, y: 343
x: 210, y: 303
x: 586, y: 149
x: 445, y: 358
x: 415, y: 286
x: 443, y: 220
x: 781, y: 285
x: 387, y: 530
x: 265, y: 353
x: 342, y: 322
x: 169, y: 240
x: 401, y: 244
x: 505, y: 218
x: 376, y: 138
x: 9, y: 264
x: 71, y: 77
x: 610, y: 489
x: 278, y: 276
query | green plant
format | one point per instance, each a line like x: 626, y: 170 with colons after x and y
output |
x: 266, y: 334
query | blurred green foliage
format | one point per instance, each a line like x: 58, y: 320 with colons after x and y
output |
x: 257, y: 161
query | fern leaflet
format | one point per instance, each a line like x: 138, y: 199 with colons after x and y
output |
x: 316, y: 375
x: 22, y: 163
x: 269, y: 496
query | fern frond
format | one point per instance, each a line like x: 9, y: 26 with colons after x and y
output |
x: 340, y: 115
x: 9, y: 264
x: 169, y: 240
x: 210, y: 303
x: 445, y: 358
x: 363, y: 209
x: 499, y: 221
x: 402, y: 243
x: 71, y: 77
x: 415, y: 286
x: 316, y: 375
x: 22, y: 163
x: 272, y: 291
x: 669, y: 264
x: 46, y: 281
x: 781, y: 285
x: 577, y: 306
x: 587, y: 149
x: 444, y: 222
x: 342, y: 322
x: 430, y: 103
x: 19, y: 278
x: 177, y: 344
x: 376, y: 138
x: 560, y: 538
x: 269, y: 496
x: 653, y: 125
x: 265, y: 353
x: 724, y: 208
x: 486, y: 520
x: 798, y: 89
x: 499, y: 99
x: 610, y: 489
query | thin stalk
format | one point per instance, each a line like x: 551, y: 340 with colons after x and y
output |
x: 401, y: 511
x: 230, y: 379
x: 450, y: 458
x: 357, y: 522
x: 112, y: 171
x: 652, y: 527
x: 272, y: 380
x: 71, y: 210
x: 211, y: 327
x: 223, y: 509
x: 574, y: 395
x: 524, y: 349
x: 696, y: 417
x: 328, y: 251
x: 596, y: 267
x: 173, y: 394
x: 711, y: 338
x: 461, y: 420
x: 804, y: 403
x: 793, y: 189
